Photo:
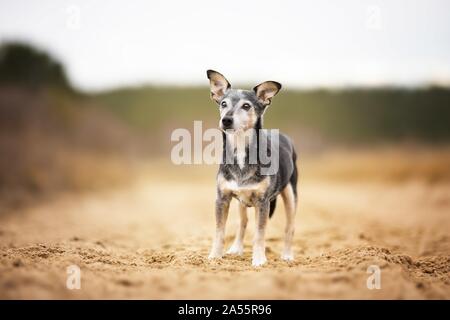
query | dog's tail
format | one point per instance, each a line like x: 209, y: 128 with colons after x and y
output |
x: 273, y: 204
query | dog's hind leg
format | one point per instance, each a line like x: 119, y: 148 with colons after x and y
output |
x: 290, y: 204
x: 238, y: 245
x: 222, y: 207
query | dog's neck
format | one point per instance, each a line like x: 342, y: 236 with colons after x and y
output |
x: 238, y: 143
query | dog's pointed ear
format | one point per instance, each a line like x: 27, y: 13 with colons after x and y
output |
x: 219, y: 84
x: 266, y: 91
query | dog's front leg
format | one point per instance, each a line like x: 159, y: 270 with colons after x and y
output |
x: 222, y: 207
x: 259, y: 247
x: 238, y: 245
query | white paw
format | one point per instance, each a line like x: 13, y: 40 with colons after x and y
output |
x: 236, y: 248
x: 214, y: 255
x: 287, y: 256
x: 259, y: 258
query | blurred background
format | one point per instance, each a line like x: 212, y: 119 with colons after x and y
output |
x: 91, y: 91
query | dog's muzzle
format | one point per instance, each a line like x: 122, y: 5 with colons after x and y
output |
x: 227, y: 123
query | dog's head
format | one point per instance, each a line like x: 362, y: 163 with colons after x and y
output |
x: 240, y: 110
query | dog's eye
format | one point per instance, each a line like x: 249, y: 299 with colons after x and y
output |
x: 223, y: 104
x: 246, y: 106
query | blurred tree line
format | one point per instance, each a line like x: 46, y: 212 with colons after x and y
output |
x: 352, y: 115
x: 24, y: 65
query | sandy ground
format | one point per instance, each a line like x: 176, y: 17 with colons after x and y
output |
x: 151, y: 241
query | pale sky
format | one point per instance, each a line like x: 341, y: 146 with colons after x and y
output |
x: 106, y: 44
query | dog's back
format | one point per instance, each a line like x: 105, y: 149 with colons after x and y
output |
x: 287, y: 172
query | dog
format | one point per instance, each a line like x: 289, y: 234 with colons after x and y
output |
x: 240, y: 112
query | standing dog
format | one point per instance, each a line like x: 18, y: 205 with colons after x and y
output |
x: 241, y: 111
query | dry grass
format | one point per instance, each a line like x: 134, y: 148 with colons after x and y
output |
x: 51, y: 143
x: 383, y: 164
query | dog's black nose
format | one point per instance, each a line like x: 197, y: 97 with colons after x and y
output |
x: 227, y: 122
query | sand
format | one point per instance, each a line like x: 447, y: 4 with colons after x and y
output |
x: 151, y: 241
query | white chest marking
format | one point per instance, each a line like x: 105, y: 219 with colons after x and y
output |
x: 240, y: 156
x: 244, y: 192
